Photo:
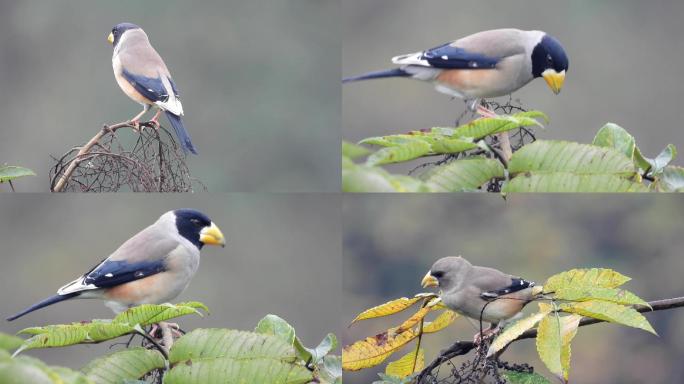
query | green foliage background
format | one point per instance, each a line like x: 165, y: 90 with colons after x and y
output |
x: 391, y: 241
x: 258, y: 80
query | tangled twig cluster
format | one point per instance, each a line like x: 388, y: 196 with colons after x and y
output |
x: 153, y: 163
x: 480, y: 369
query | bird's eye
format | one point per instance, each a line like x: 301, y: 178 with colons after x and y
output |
x: 195, y: 221
x: 549, y: 58
x: 438, y: 274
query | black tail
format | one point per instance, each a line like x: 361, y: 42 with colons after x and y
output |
x: 181, y: 133
x: 44, y: 303
x: 397, y: 72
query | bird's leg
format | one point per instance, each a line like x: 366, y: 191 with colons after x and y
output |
x: 485, y: 335
x: 155, y: 120
x: 167, y: 335
x: 135, y: 121
x: 485, y: 112
x: 175, y: 329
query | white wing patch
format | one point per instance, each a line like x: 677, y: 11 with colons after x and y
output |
x: 411, y: 59
x: 77, y: 285
x: 172, y: 105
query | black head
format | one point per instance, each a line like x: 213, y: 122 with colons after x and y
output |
x: 190, y: 223
x: 548, y: 54
x: 119, y: 30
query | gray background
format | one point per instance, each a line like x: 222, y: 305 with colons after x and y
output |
x: 390, y: 242
x: 258, y: 80
x: 283, y: 256
x: 624, y: 65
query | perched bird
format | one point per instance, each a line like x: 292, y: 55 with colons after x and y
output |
x: 142, y: 75
x: 152, y: 267
x: 484, y: 65
x: 479, y: 292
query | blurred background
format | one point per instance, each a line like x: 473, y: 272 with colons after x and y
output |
x: 390, y: 242
x: 622, y: 65
x: 258, y: 81
x: 282, y: 256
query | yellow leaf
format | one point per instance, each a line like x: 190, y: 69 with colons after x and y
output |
x: 596, y: 277
x: 514, y: 330
x: 374, y: 350
x: 442, y: 321
x: 413, y: 320
x: 549, y: 344
x: 389, y: 308
x: 569, y: 326
x: 611, y: 312
x: 407, y: 365
x: 585, y: 293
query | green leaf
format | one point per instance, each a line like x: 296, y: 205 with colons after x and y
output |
x: 562, y: 156
x: 100, y: 330
x: 642, y: 161
x: 657, y: 165
x: 148, y: 314
x: 328, y: 344
x: 11, y: 172
x: 463, y: 175
x: 664, y: 159
x: 585, y: 293
x: 408, y: 151
x: 672, y: 179
x: 387, y: 379
x: 230, y: 370
x: 331, y: 370
x: 12, y: 372
x: 128, y: 364
x: 220, y: 343
x: 610, y: 312
x: 480, y: 128
x: 616, y: 137
x: 513, y: 331
x: 549, y: 344
x: 276, y: 326
x: 525, y: 378
x: 569, y: 325
x: 566, y: 182
x: 9, y: 342
x: 69, y: 334
x: 586, y: 277
x: 444, y: 146
x: 362, y: 179
x: 353, y: 151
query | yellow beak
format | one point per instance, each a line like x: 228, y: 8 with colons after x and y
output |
x: 212, y: 236
x: 110, y: 38
x: 554, y: 79
x: 429, y: 281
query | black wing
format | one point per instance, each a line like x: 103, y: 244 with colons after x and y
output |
x: 517, y: 284
x: 151, y: 88
x: 116, y: 272
x: 449, y: 57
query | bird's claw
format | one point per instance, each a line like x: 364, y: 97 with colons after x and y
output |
x: 485, y: 112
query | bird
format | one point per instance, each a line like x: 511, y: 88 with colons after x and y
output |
x: 143, y: 76
x: 480, y: 293
x: 484, y: 65
x: 152, y: 267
